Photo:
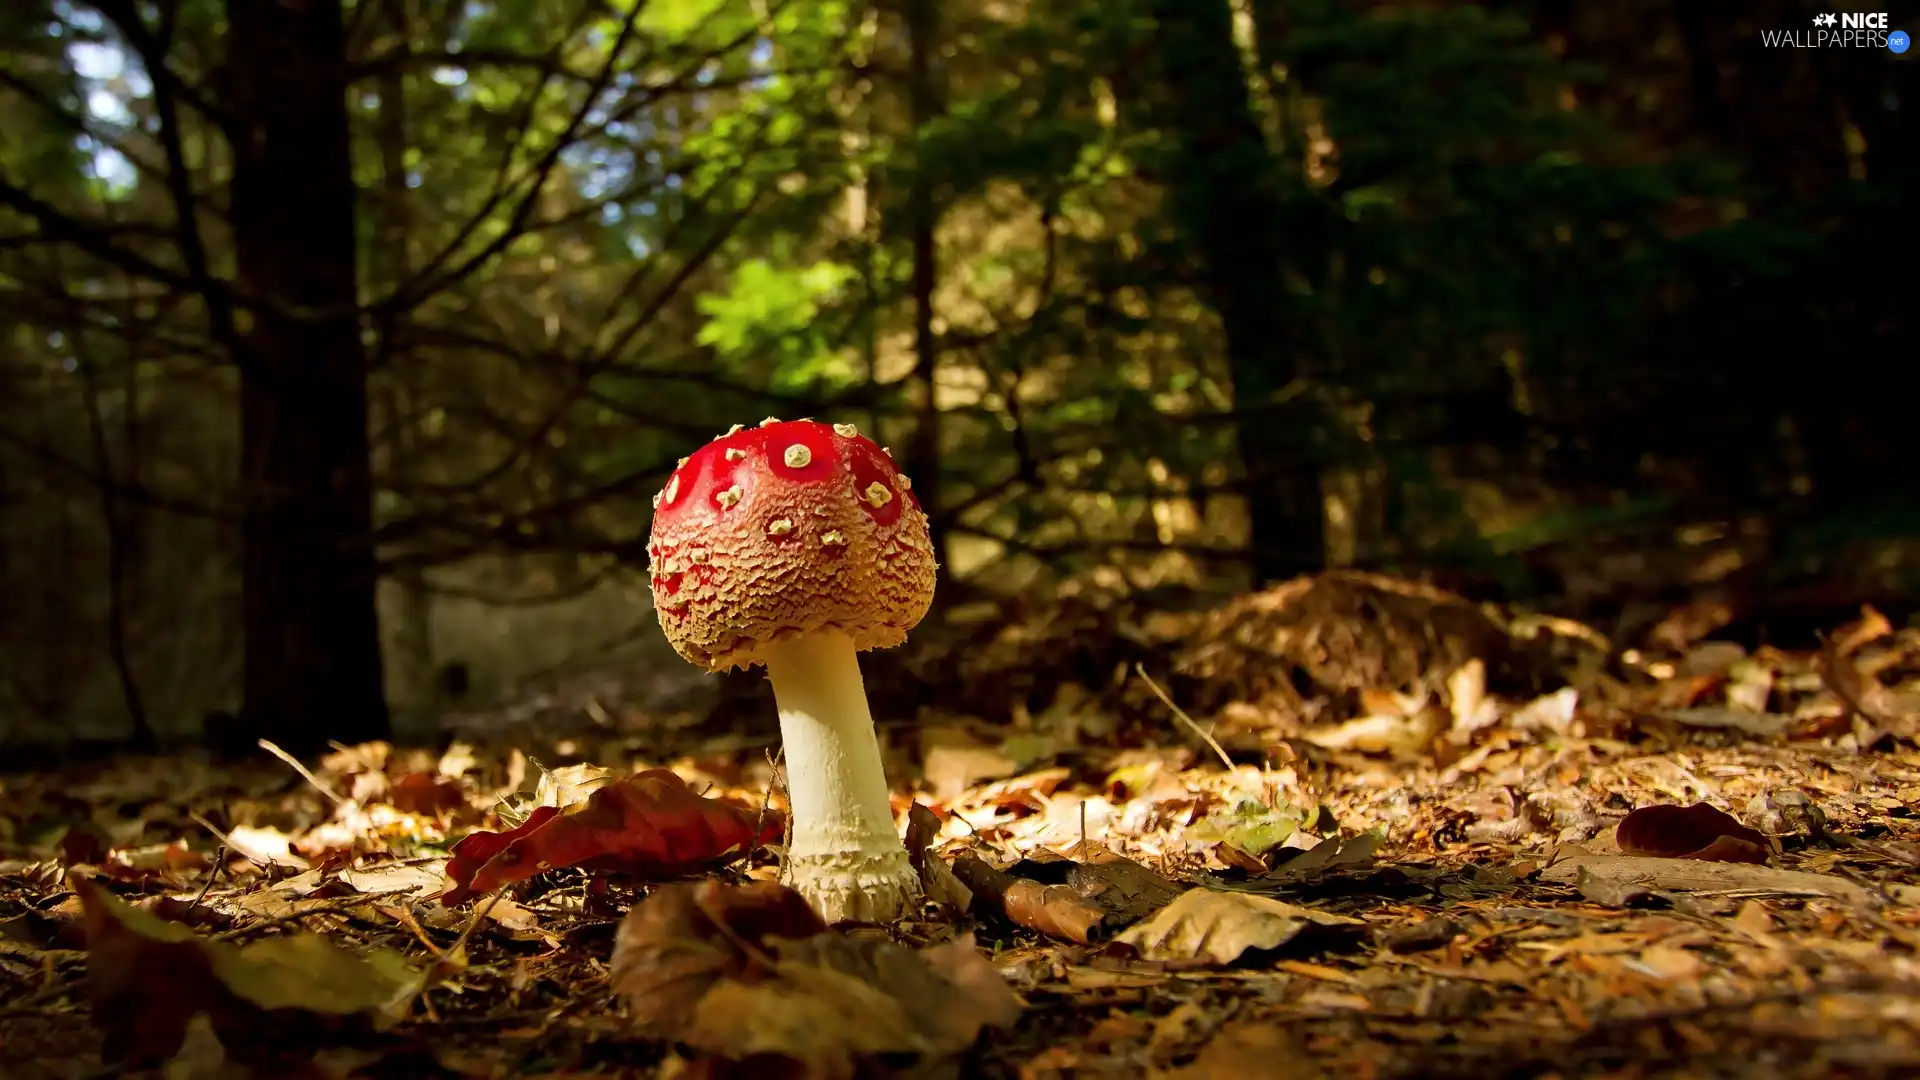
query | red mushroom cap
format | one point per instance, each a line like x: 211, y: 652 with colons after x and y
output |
x: 784, y: 529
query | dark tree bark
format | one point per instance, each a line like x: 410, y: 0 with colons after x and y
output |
x: 313, y: 665
x: 1223, y: 187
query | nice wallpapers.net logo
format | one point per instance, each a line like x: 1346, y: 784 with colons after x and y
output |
x: 1846, y: 30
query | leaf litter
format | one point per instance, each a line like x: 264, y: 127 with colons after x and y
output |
x: 148, y: 978
x: 1397, y: 835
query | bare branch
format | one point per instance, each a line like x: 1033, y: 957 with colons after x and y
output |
x: 153, y: 51
x: 59, y: 227
x: 138, y: 494
x: 406, y: 58
x: 432, y: 279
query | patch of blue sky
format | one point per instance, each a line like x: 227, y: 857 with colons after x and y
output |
x: 109, y: 79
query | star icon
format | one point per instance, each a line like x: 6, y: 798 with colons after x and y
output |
x: 1824, y: 19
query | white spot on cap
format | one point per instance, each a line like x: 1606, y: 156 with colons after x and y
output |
x: 833, y: 538
x: 887, y: 450
x: 779, y: 526
x: 698, y: 556
x: 728, y: 498
x: 672, y: 490
x: 770, y: 421
x: 845, y: 431
x: 656, y: 500
x: 879, y: 494
x: 906, y: 482
x: 734, y: 430
x: 734, y: 453
x: 683, y: 463
x: 798, y: 456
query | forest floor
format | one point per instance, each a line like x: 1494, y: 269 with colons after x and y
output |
x: 1390, y: 845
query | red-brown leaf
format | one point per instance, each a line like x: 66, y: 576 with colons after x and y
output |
x: 422, y: 793
x: 1690, y: 832
x: 649, y: 825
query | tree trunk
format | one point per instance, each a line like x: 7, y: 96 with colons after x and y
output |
x: 312, y: 664
x: 1222, y: 181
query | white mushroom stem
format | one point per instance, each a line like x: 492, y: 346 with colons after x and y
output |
x: 845, y: 856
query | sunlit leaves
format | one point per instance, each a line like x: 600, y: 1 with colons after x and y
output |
x: 678, y: 19
x: 770, y: 312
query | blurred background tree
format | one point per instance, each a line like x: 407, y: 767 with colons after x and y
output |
x: 345, y: 339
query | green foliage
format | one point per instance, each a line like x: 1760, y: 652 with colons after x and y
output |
x: 769, y: 314
x: 36, y: 147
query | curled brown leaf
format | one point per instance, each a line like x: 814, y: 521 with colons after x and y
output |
x: 750, y: 972
x: 1690, y: 832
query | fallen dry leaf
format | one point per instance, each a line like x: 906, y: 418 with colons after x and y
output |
x: 1553, y: 712
x: 1670, y: 963
x: 395, y: 878
x: 1871, y: 627
x: 954, y: 759
x: 1054, y: 910
x: 1414, y: 937
x: 832, y: 996
x: 154, y: 860
x: 685, y: 937
x: 650, y: 825
x: 1859, y: 691
x: 1250, y: 1051
x: 745, y: 971
x: 1218, y: 927
x: 1333, y: 853
x: 936, y: 877
x: 1689, y: 832
x: 512, y: 915
x: 1082, y: 901
x: 268, y: 847
x: 1752, y: 722
x: 458, y: 760
x: 1617, y: 880
x: 570, y: 785
x: 1380, y: 733
x: 1125, y: 889
x: 425, y: 794
x: 270, y: 1001
x: 1467, y: 699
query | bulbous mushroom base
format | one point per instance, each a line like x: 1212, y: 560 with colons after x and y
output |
x: 856, y: 886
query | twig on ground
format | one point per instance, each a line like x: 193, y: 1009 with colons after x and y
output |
x: 776, y: 780
x: 1141, y: 670
x: 305, y: 773
x: 766, y: 802
x: 219, y: 865
x: 335, y: 906
x: 218, y: 833
x: 467, y: 931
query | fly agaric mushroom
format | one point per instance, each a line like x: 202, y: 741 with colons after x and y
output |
x: 798, y: 545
